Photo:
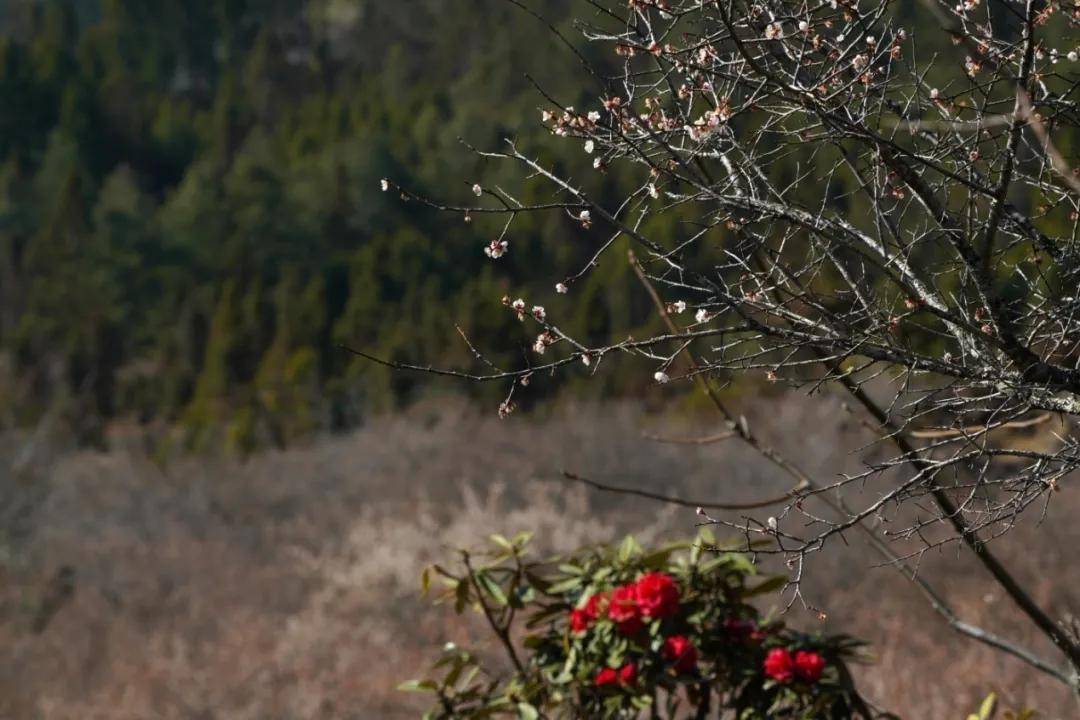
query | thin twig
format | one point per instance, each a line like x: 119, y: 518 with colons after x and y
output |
x: 649, y: 495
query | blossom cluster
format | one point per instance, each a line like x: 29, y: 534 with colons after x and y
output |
x: 783, y: 666
x: 655, y: 596
x: 610, y: 630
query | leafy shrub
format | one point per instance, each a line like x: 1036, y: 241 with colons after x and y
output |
x: 620, y: 632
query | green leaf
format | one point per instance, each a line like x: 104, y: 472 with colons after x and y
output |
x: 658, y: 559
x: 628, y: 549
x: 564, y: 586
x: 545, y: 615
x: 527, y: 711
x: 461, y: 597
x: 489, y: 586
x: 987, y: 710
x: 418, y: 686
x: 501, y: 541
x: 537, y: 582
x: 455, y: 672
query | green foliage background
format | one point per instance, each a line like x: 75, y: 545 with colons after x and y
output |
x: 190, y: 215
x: 191, y: 222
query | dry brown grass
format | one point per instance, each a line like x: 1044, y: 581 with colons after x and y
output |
x: 286, y: 587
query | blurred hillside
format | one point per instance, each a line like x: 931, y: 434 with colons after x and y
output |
x: 190, y: 215
x: 191, y: 222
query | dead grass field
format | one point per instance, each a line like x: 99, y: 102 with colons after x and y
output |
x: 286, y: 586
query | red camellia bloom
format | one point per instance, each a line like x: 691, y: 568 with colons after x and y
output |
x: 809, y: 666
x: 623, y: 609
x: 628, y: 674
x: 579, y: 620
x: 779, y: 665
x: 681, y: 653
x: 657, y: 595
x: 582, y: 618
x: 595, y: 605
x: 606, y: 677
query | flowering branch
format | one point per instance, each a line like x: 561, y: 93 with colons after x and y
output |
x: 840, y: 212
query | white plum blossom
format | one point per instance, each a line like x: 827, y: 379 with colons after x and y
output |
x: 661, y: 377
x: 586, y: 218
x: 679, y: 306
x: 518, y: 306
x: 774, y: 31
x: 586, y: 359
x: 1073, y: 56
x: 701, y: 315
x: 653, y: 191
x: 935, y: 94
x: 594, y: 116
x: 589, y: 146
x: 542, y: 341
x: 496, y: 249
x: 539, y: 313
x: 840, y: 37
x: 597, y: 163
x: 803, y: 26
x: 561, y: 288
x: 384, y: 184
x: 546, y: 116
x: 477, y: 190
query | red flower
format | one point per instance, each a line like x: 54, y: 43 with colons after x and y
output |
x: 606, y: 677
x: 681, y: 653
x: 657, y: 595
x: 579, y: 620
x: 582, y: 618
x: 809, y: 666
x: 623, y: 610
x: 595, y: 605
x: 779, y: 665
x: 628, y: 674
